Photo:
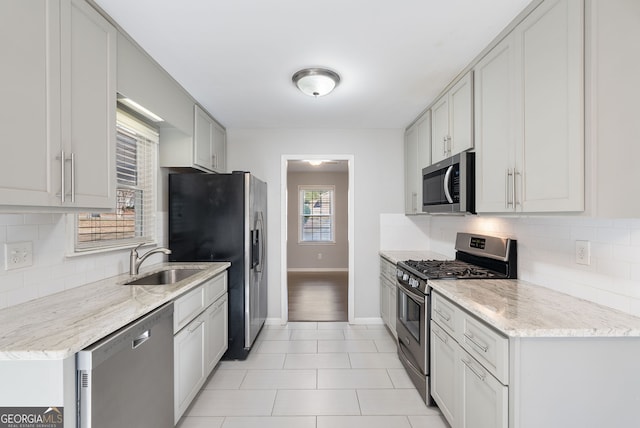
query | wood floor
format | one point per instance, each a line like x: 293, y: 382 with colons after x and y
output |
x: 318, y: 296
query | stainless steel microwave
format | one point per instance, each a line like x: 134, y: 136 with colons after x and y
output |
x: 448, y: 186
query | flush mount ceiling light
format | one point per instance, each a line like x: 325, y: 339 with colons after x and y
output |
x: 316, y: 82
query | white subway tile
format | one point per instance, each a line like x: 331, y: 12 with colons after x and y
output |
x: 22, y: 233
x: 11, y: 280
x: 36, y: 219
x: 11, y: 219
x: 50, y: 287
x: 21, y: 295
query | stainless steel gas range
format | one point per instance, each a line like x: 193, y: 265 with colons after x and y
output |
x: 477, y: 257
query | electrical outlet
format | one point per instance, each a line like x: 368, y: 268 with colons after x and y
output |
x: 18, y: 255
x: 583, y: 253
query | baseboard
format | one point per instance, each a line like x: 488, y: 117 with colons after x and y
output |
x: 274, y: 321
x: 318, y: 270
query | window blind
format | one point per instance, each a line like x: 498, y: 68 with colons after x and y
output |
x: 134, y: 217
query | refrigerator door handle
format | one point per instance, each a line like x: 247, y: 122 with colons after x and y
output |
x: 260, y: 237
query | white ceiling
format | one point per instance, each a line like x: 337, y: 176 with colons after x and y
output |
x: 236, y: 57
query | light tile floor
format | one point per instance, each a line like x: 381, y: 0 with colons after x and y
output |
x: 313, y: 375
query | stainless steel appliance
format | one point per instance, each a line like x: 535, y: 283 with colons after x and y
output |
x: 449, y: 185
x: 126, y: 379
x: 222, y: 217
x: 477, y: 257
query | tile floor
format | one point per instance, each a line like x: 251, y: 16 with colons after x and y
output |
x: 313, y: 375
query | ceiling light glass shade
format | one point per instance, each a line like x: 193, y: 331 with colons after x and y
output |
x: 316, y: 82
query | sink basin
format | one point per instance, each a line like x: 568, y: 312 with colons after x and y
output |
x: 164, y: 277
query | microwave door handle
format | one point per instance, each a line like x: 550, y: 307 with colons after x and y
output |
x: 447, y: 182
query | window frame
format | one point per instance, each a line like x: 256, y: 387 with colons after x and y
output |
x: 332, y: 216
x: 150, y: 235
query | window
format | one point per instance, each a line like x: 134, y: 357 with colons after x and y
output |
x: 133, y: 220
x: 316, y: 207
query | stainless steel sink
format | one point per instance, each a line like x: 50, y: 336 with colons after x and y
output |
x: 164, y: 277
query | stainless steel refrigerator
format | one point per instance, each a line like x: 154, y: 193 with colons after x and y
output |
x: 222, y: 217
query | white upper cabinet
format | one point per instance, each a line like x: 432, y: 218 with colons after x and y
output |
x: 452, y: 120
x: 59, y: 82
x: 209, y: 142
x: 613, y: 131
x: 529, y: 111
x: 417, y: 155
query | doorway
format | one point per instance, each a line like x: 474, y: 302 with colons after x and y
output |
x: 317, y: 245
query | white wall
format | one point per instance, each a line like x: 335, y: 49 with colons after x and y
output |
x: 378, y: 183
x: 546, y: 251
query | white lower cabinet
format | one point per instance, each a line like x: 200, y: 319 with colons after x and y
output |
x: 388, y: 294
x: 467, y: 392
x: 484, y: 400
x: 200, y: 339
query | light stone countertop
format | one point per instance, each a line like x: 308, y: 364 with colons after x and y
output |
x: 57, y: 326
x: 520, y: 309
x: 395, y: 256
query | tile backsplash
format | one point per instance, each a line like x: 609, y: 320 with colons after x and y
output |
x: 546, y: 251
x: 52, y: 271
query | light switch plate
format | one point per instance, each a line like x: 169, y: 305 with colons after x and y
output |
x: 583, y: 253
x: 18, y: 255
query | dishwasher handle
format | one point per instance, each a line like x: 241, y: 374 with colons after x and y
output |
x: 138, y: 341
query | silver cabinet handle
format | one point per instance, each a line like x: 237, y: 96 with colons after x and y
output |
x: 437, y: 333
x: 515, y: 174
x: 414, y: 202
x: 62, y: 178
x: 444, y: 146
x: 447, y: 182
x: 449, y: 145
x: 73, y: 177
x: 469, y: 364
x: 441, y: 314
x: 508, y: 181
x: 474, y: 341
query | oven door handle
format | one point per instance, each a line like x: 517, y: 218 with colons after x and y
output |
x: 419, y: 297
x: 447, y: 183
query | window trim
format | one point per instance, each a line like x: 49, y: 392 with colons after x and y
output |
x: 300, y: 213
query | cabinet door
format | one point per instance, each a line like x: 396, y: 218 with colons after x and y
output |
x: 444, y: 381
x: 484, y: 400
x: 202, y: 139
x: 439, y: 129
x: 30, y: 111
x: 552, y: 158
x: 384, y: 300
x: 189, y: 365
x: 216, y: 326
x: 461, y: 115
x: 89, y: 105
x: 219, y: 148
x: 411, y: 171
x: 495, y: 139
x: 393, y: 308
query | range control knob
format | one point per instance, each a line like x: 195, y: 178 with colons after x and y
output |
x: 414, y: 282
x: 405, y: 277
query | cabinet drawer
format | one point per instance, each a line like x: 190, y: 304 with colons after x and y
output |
x: 215, y: 287
x: 387, y: 269
x: 487, y: 346
x: 445, y: 314
x: 188, y: 307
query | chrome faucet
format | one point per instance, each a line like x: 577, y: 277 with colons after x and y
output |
x: 135, y: 261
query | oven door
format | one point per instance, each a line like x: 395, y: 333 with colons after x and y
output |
x: 411, y: 327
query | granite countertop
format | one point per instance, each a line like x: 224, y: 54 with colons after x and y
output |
x: 521, y: 309
x: 57, y: 326
x: 395, y: 256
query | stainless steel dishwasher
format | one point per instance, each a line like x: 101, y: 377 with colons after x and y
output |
x: 126, y: 379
